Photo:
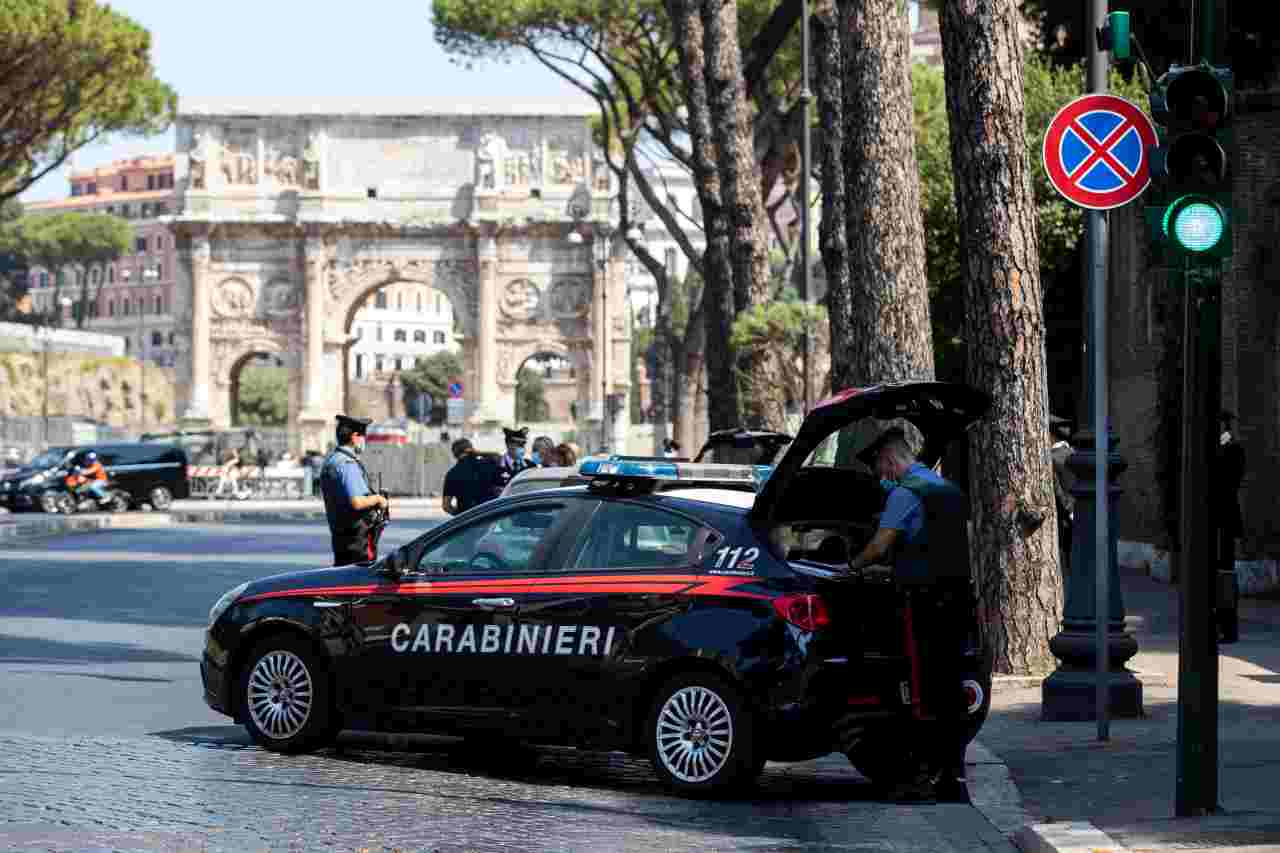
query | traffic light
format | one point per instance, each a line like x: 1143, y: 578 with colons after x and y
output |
x: 1192, y: 164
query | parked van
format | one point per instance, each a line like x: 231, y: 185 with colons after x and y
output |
x: 155, y: 474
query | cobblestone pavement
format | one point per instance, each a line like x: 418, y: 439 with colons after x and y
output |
x: 209, y: 790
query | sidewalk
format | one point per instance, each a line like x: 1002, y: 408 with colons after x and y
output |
x: 26, y: 525
x: 1082, y: 794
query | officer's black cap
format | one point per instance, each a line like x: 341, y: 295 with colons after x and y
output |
x: 868, y: 454
x: 356, y: 425
x: 516, y: 436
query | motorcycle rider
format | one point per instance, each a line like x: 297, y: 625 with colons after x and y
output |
x: 90, y: 474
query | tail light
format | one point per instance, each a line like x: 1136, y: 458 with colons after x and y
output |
x: 805, y: 611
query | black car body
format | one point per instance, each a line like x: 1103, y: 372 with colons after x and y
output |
x: 20, y: 489
x: 743, y: 447
x: 681, y: 614
x: 154, y: 474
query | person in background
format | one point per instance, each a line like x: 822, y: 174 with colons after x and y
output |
x: 513, y: 461
x: 1228, y: 476
x: 469, y: 482
x: 229, y: 477
x: 543, y: 452
x: 566, y: 456
x: 1063, y: 479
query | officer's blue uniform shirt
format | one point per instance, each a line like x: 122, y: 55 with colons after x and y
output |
x: 904, y: 510
x: 342, y: 479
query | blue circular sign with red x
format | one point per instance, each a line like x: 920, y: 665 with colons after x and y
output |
x: 1097, y: 151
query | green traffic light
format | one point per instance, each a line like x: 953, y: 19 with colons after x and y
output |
x: 1197, y: 224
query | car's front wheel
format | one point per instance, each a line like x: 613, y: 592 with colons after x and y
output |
x: 285, y: 697
x: 700, y: 735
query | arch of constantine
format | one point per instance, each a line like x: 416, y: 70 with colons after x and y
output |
x: 290, y: 218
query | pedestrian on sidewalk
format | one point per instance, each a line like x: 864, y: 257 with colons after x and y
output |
x: 1063, y: 480
x: 354, y: 511
x: 469, y: 481
x: 1229, y: 476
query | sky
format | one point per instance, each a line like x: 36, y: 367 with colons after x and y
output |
x: 300, y: 48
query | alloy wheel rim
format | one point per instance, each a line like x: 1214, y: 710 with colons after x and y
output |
x: 280, y: 695
x: 695, y: 734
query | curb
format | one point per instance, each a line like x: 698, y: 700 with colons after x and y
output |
x: 1067, y: 837
x: 15, y: 531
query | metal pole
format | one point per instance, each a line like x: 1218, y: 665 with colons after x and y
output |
x: 1097, y: 242
x: 805, y: 155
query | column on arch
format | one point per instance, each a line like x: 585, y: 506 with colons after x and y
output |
x: 198, y: 402
x: 487, y: 330
x: 313, y: 363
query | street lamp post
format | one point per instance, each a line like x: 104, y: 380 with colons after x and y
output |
x: 63, y: 304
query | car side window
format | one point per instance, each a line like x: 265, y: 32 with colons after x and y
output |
x: 511, y: 542
x: 625, y: 536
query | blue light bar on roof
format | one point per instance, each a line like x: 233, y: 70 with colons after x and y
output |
x: 616, y: 467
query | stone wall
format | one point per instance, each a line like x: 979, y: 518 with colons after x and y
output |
x: 1251, y: 340
x: 117, y: 391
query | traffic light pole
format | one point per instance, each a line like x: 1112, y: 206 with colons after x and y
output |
x: 1197, y: 768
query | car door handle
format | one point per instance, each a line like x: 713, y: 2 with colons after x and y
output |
x: 327, y: 603
x: 494, y: 603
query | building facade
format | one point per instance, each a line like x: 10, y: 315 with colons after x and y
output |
x: 397, y: 326
x: 134, y: 294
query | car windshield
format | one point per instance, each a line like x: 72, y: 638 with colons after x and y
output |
x: 49, y: 458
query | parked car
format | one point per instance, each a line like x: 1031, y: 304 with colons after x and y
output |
x: 743, y: 447
x: 154, y: 474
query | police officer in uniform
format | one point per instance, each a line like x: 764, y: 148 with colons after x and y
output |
x: 923, y: 534
x: 353, y: 509
x: 513, y: 461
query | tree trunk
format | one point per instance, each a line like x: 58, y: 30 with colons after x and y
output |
x: 1015, y: 538
x: 739, y: 188
x: 681, y: 403
x: 828, y: 78
x: 686, y: 24
x: 880, y: 327
x: 693, y: 378
x: 660, y: 381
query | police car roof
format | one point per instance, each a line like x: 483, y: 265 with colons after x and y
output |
x: 732, y: 498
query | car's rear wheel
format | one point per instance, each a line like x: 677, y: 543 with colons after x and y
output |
x: 700, y: 735
x: 160, y: 497
x: 285, y: 697
x: 49, y: 502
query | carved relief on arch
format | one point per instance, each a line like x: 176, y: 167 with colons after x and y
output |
x: 570, y: 297
x: 521, y: 300
x: 233, y: 297
x: 281, y: 298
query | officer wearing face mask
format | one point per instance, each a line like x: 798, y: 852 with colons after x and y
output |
x: 513, y: 461
x: 350, y: 504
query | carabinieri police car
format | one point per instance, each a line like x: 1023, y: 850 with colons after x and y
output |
x: 697, y: 613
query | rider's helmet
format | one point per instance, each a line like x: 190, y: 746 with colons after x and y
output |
x: 91, y: 457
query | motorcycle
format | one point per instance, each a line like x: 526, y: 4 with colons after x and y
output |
x: 72, y: 499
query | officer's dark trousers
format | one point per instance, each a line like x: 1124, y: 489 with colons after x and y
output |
x: 352, y: 548
x: 937, y: 633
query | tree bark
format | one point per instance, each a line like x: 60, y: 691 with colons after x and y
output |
x: 829, y: 87
x: 1015, y: 539
x: 722, y: 405
x: 660, y: 398
x: 880, y: 328
x: 739, y: 189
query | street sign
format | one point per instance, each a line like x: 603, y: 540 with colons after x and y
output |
x: 455, y: 389
x: 1097, y: 151
x: 455, y: 411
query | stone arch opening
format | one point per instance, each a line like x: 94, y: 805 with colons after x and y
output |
x: 262, y: 389
x: 399, y: 332
x: 546, y: 388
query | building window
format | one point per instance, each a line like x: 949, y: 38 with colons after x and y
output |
x: 419, y: 337
x: 159, y: 309
x: 377, y: 364
x: 380, y: 300
x: 359, y: 365
x: 377, y: 333
x: 111, y: 308
x: 438, y: 308
x: 400, y: 336
x: 140, y: 244
x: 95, y: 275
x: 111, y: 275
x: 126, y: 343
x: 171, y: 339
x: 157, y: 339
x: 162, y: 208
x: 151, y: 182
x: 438, y: 337
x: 44, y: 279
x: 419, y: 303
x: 124, y: 184
x: 146, y: 211
x: 76, y: 189
x: 359, y: 332
x: 124, y: 306
x: 398, y: 364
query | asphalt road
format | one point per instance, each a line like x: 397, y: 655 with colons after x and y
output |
x: 106, y: 743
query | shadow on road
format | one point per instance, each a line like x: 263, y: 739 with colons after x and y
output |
x: 35, y: 650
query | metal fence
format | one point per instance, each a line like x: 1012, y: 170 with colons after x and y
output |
x: 408, y: 469
x: 30, y: 435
